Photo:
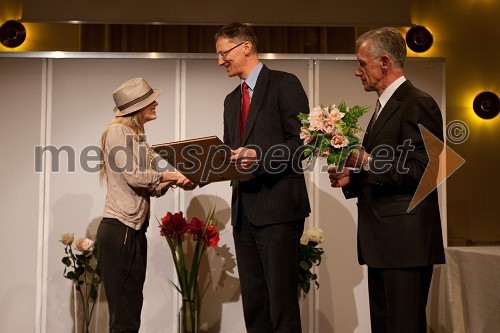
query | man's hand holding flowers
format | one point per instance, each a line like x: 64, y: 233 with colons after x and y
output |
x: 339, y: 178
x: 358, y: 159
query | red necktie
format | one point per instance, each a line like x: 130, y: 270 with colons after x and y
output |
x: 245, y: 106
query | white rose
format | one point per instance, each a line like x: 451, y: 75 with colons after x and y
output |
x: 316, y: 235
x: 84, y: 245
x: 305, y: 238
x: 67, y: 239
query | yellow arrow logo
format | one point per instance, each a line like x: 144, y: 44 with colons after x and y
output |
x: 442, y: 163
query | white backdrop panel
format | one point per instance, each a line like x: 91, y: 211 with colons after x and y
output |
x: 206, y: 86
x: 81, y: 108
x: 342, y: 280
x: 79, y: 103
x: 21, y: 90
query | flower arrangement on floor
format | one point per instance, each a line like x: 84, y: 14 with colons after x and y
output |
x: 331, y: 131
x: 309, y: 256
x: 177, y: 231
x: 81, y: 268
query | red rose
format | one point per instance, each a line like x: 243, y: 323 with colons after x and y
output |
x: 196, y: 227
x: 173, y: 224
x: 211, y: 236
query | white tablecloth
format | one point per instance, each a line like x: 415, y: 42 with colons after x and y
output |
x: 473, y: 289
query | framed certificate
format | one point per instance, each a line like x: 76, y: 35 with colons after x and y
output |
x: 201, y: 160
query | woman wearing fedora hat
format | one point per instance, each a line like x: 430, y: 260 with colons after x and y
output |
x: 131, y: 177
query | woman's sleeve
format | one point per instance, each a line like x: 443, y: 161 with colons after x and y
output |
x: 129, y: 158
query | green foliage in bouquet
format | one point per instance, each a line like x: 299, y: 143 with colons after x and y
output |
x: 331, y: 131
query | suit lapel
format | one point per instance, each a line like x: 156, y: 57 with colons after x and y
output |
x: 386, y: 113
x: 389, y: 108
x: 369, y: 127
x: 257, y: 98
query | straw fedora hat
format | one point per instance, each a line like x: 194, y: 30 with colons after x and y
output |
x: 132, y: 96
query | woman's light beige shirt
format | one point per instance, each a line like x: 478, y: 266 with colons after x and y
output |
x: 131, y: 179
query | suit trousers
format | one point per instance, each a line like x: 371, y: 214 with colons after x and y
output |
x: 267, y: 258
x: 122, y: 261
x: 398, y: 298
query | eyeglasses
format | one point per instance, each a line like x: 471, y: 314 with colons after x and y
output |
x: 223, y: 54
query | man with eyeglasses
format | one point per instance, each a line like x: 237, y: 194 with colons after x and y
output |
x: 268, y: 210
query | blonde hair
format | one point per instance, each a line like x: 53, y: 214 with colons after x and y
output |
x: 134, y: 121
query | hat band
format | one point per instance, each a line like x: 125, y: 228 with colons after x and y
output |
x: 135, y: 101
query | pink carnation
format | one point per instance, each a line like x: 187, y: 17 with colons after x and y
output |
x: 328, y: 126
x: 339, y: 141
x: 335, y: 114
x: 316, y: 119
x: 305, y: 135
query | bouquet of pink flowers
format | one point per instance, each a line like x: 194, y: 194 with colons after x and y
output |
x: 331, y: 131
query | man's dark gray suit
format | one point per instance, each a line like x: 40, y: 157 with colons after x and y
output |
x: 268, y: 211
x: 390, y: 237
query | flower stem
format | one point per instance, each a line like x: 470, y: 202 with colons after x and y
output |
x: 188, y: 316
x: 183, y: 278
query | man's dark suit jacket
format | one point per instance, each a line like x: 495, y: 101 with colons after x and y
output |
x: 278, y: 192
x: 388, y: 235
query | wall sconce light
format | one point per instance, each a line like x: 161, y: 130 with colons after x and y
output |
x: 419, y: 39
x: 12, y: 34
x: 486, y: 105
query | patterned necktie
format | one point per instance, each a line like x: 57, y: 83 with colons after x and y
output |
x: 375, y: 115
x: 245, y: 106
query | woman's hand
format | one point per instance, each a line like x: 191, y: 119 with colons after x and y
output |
x: 177, y: 179
x: 186, y: 184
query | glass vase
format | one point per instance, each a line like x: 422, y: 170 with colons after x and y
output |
x: 188, y: 317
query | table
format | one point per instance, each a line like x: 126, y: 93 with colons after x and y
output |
x: 473, y: 288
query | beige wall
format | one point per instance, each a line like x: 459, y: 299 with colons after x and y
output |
x: 466, y: 35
